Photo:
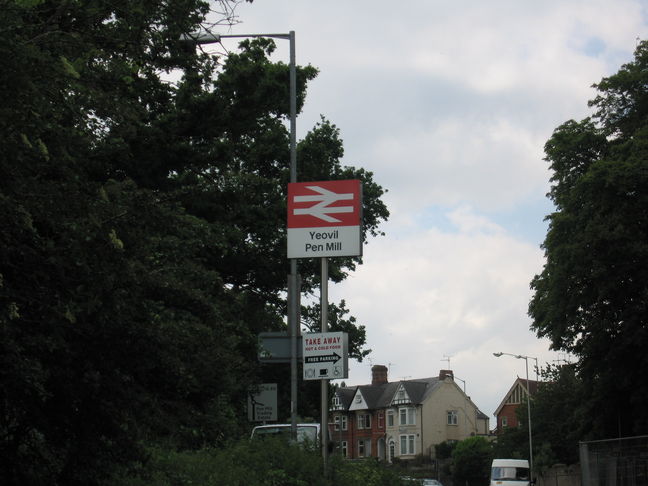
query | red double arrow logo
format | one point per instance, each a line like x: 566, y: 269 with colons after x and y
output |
x: 324, y: 204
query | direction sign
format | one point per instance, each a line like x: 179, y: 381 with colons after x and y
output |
x: 325, y: 355
x: 274, y: 347
x: 324, y: 219
x: 262, y: 402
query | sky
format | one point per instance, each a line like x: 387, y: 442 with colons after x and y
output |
x: 449, y: 104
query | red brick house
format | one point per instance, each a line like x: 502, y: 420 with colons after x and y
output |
x: 506, y: 412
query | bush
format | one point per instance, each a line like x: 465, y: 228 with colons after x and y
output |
x: 472, y: 458
x: 267, y: 462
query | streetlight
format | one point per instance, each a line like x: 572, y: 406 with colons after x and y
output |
x: 199, y: 38
x: 526, y: 361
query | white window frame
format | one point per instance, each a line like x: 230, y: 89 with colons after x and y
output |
x: 340, y: 420
x: 453, y: 417
x: 390, y: 418
x: 407, y: 444
x: 344, y: 448
x: 364, y: 421
x: 407, y: 416
x: 364, y: 447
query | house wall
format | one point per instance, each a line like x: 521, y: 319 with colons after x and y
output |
x: 507, y: 411
x: 435, y: 428
x: 353, y: 434
x: 394, y: 432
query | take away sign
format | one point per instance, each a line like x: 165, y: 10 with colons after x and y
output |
x: 324, y: 219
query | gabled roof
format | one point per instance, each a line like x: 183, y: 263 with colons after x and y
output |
x: 531, y: 387
x: 345, y: 396
x: 383, y: 395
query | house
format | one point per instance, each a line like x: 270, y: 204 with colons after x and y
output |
x: 506, y: 412
x: 402, y: 419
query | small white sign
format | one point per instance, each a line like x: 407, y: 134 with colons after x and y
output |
x: 325, y: 356
x: 262, y: 403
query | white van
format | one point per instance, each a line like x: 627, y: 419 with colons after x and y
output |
x: 510, y: 472
x: 306, y: 433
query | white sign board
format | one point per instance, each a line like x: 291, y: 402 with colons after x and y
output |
x: 326, y: 355
x: 324, y: 219
x: 262, y: 403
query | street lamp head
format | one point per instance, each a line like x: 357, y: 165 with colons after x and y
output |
x: 497, y: 355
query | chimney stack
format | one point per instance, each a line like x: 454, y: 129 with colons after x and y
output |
x: 443, y: 374
x: 378, y: 374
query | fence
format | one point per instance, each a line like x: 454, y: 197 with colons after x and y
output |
x: 560, y: 475
x: 615, y: 462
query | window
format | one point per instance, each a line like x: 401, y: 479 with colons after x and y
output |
x: 407, y: 416
x: 364, y: 421
x: 504, y: 421
x: 336, y: 401
x: 344, y: 448
x: 390, y: 418
x: 453, y: 419
x: 364, y: 448
x: 340, y: 420
x: 407, y: 445
x: 381, y: 420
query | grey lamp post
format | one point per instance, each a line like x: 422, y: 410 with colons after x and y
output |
x: 526, y: 361
x: 293, y: 280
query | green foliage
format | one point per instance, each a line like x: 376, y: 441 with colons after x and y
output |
x: 591, y: 298
x: 143, y: 238
x: 556, y: 421
x: 445, y: 449
x: 557, y: 425
x: 268, y: 462
x: 369, y: 472
x: 471, y: 462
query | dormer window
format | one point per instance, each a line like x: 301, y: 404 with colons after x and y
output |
x: 401, y: 396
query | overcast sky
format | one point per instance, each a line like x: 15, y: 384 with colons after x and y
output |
x: 449, y: 104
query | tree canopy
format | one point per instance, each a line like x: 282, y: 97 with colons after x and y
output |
x: 143, y: 241
x: 591, y: 298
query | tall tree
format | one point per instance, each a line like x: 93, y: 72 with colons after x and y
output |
x: 142, y: 243
x: 591, y: 298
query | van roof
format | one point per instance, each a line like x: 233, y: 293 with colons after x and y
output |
x: 510, y: 463
x: 274, y: 426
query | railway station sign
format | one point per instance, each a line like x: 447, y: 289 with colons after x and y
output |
x: 324, y: 219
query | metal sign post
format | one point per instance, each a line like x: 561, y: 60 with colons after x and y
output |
x: 325, y: 383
